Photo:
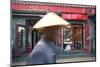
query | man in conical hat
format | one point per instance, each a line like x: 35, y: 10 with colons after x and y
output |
x: 44, y: 52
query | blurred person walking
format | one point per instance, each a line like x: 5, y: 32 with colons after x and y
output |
x: 44, y: 52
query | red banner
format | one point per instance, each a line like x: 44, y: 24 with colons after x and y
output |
x: 75, y: 16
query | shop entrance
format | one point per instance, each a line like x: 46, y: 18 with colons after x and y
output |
x: 32, y: 35
x: 73, y: 37
x: 77, y: 37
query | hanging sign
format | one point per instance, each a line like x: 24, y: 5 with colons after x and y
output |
x: 74, y: 16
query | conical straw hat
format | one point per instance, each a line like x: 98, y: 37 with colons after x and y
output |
x: 50, y: 19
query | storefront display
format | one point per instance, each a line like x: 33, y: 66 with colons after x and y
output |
x: 78, y: 38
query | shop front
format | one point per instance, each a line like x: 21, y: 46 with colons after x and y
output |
x: 75, y: 37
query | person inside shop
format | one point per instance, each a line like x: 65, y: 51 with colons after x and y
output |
x: 44, y: 51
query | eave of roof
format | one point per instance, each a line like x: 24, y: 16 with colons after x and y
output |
x: 53, y: 4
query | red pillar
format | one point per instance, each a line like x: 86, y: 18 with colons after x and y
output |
x: 59, y: 39
x: 88, y: 47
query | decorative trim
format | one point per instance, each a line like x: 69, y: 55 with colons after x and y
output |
x: 53, y: 4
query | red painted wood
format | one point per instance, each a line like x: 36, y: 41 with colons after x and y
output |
x: 30, y: 7
x: 88, y: 37
x: 82, y: 36
x: 75, y: 16
x: 87, y: 30
x: 59, y: 40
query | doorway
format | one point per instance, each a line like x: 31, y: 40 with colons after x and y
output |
x: 73, y: 37
x: 32, y: 35
x: 77, y: 37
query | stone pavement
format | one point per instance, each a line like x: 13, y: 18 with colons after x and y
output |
x: 66, y: 57
x: 78, y: 59
x: 67, y: 60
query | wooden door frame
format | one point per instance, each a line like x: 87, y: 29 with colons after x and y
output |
x: 81, y: 25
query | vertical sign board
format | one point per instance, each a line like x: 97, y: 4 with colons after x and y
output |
x: 59, y: 39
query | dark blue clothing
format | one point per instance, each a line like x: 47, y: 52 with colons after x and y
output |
x: 43, y: 53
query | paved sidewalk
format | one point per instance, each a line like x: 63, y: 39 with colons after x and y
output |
x: 66, y: 57
x: 78, y: 59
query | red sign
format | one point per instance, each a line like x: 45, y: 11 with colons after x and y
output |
x: 75, y: 16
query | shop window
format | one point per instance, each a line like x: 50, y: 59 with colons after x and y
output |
x: 21, y: 36
x: 20, y: 39
x: 72, y: 37
x: 67, y: 38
